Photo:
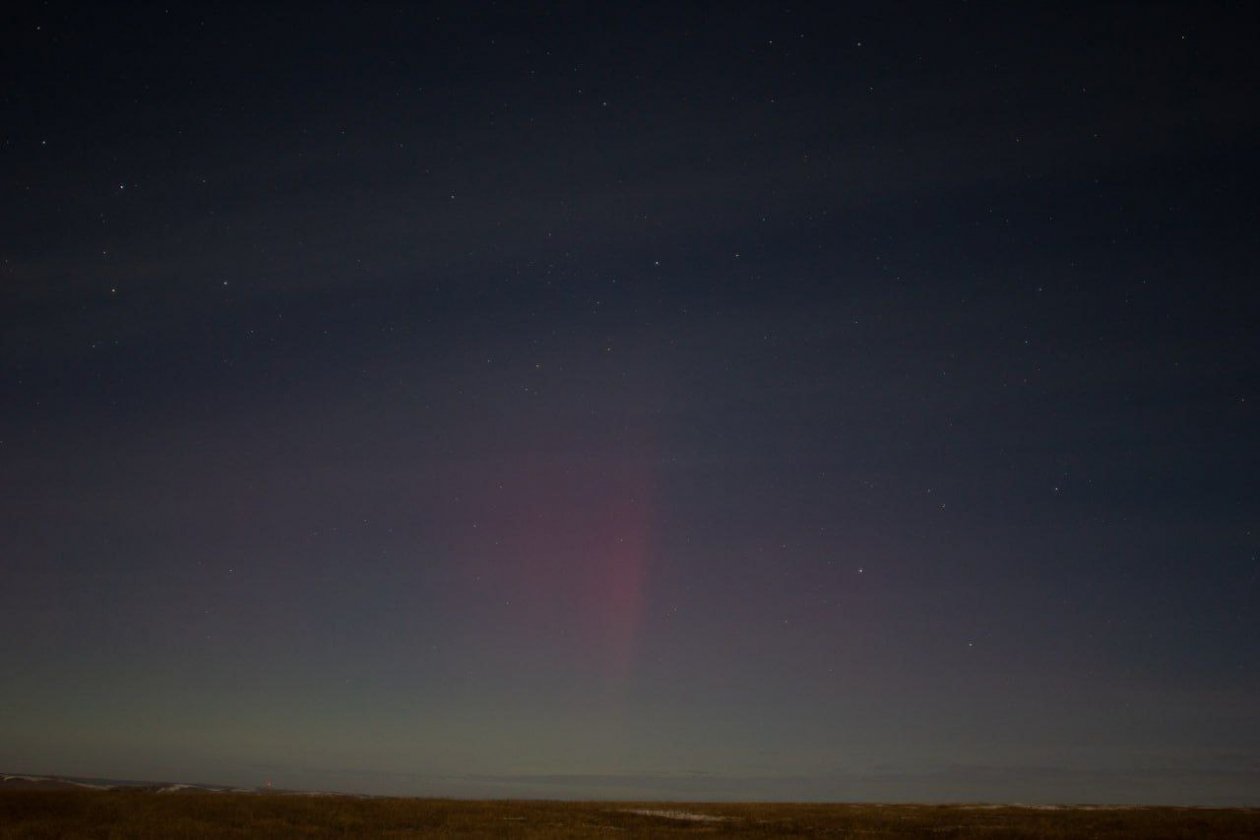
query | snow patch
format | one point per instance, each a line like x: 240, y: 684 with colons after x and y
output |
x: 689, y: 816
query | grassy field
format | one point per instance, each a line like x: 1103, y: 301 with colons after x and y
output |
x: 144, y: 815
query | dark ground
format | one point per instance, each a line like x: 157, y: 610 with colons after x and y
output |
x: 28, y: 814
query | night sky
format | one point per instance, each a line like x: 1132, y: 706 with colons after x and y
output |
x: 708, y: 401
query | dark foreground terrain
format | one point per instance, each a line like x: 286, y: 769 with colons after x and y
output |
x: 145, y: 814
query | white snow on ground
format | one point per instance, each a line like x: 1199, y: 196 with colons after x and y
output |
x: 690, y: 816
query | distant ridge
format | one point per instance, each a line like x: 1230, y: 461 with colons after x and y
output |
x: 31, y: 781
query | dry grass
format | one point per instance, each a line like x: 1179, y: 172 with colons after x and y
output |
x: 169, y: 816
